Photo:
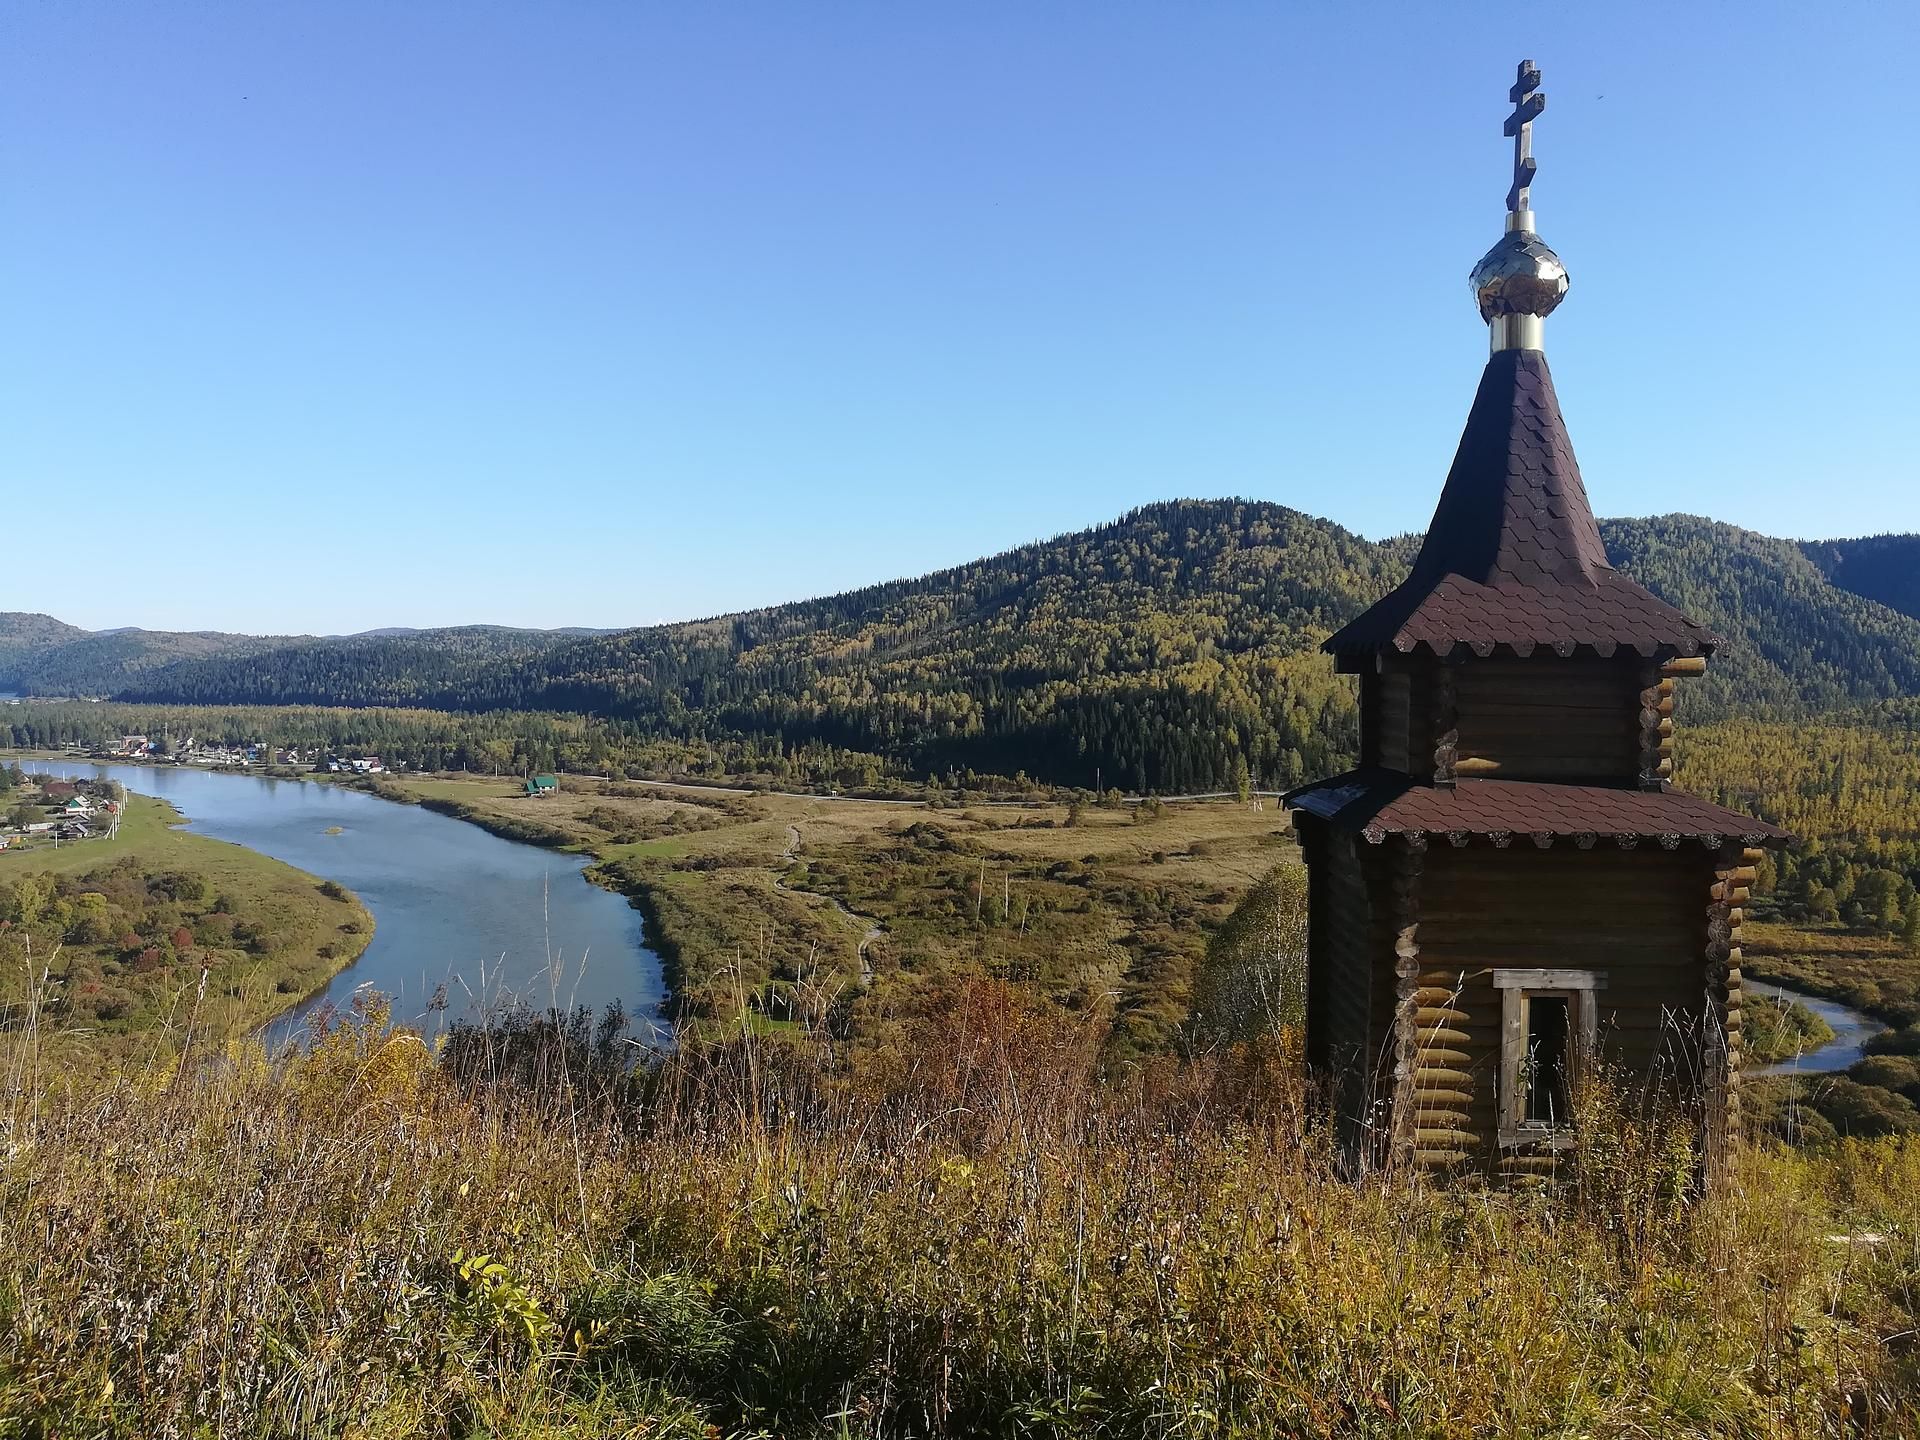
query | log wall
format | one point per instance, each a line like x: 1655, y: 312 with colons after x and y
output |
x: 1351, y: 986
x: 1349, y: 911
x: 1641, y: 916
x: 1396, y: 690
x: 1547, y: 718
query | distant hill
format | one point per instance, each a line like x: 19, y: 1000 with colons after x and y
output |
x: 43, y: 656
x: 1883, y: 568
x: 1166, y: 650
x: 24, y: 635
x: 1797, y: 643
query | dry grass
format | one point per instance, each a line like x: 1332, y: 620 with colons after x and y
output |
x: 992, y: 1242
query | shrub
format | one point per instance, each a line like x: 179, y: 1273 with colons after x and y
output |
x: 1857, y: 1109
x: 1899, y: 1073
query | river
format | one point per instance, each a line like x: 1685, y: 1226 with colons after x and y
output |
x: 452, y: 904
x: 1851, y: 1031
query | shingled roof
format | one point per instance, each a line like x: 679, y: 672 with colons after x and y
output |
x: 1513, y: 557
x: 1378, y: 803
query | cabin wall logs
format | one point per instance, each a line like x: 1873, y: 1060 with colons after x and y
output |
x: 1397, y: 731
x: 1543, y: 718
x: 1548, y: 718
x: 1637, y: 915
x: 1350, y: 998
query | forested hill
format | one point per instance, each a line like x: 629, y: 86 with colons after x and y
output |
x: 43, y: 656
x: 1880, y: 567
x: 1165, y: 651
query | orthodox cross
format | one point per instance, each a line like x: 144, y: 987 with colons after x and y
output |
x: 1528, y: 102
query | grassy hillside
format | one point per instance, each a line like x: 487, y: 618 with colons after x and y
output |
x: 370, y: 1242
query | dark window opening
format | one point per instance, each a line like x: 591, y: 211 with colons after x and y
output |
x: 1549, y: 1045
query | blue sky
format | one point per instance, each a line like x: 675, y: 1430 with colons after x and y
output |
x: 329, y: 316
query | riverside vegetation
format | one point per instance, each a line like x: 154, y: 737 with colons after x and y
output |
x: 111, y: 950
x: 851, y: 914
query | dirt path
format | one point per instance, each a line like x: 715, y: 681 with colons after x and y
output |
x: 789, y: 857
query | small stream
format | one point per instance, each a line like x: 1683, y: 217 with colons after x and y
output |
x: 1851, y: 1032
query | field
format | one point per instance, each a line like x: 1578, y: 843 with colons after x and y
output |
x: 785, y: 907
x: 159, y: 927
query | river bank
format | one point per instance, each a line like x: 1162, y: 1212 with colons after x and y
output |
x: 159, y: 930
x: 1850, y: 1032
x: 466, y: 920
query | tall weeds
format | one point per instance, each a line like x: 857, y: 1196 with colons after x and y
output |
x: 978, y: 1236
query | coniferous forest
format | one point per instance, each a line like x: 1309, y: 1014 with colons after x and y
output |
x: 1174, y: 650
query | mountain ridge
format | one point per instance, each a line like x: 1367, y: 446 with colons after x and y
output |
x: 1175, y: 647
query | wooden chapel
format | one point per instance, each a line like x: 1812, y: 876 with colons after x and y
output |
x: 1508, y: 889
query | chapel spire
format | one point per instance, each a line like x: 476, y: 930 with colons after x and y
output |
x: 1513, y: 559
x: 1519, y: 281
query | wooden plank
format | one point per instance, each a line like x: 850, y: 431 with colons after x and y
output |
x: 1534, y: 978
x: 1442, y: 1099
x: 1431, y: 1139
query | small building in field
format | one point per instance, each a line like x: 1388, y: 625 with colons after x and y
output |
x: 1508, y: 894
x: 543, y: 785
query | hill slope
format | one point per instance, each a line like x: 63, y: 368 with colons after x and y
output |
x: 1796, y: 643
x: 43, y: 656
x: 1174, y: 649
x: 1885, y: 568
x: 24, y: 634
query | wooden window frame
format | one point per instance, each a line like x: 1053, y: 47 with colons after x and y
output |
x: 1516, y: 987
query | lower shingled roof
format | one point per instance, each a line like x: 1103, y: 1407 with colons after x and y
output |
x: 1606, y: 613
x: 1378, y: 803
